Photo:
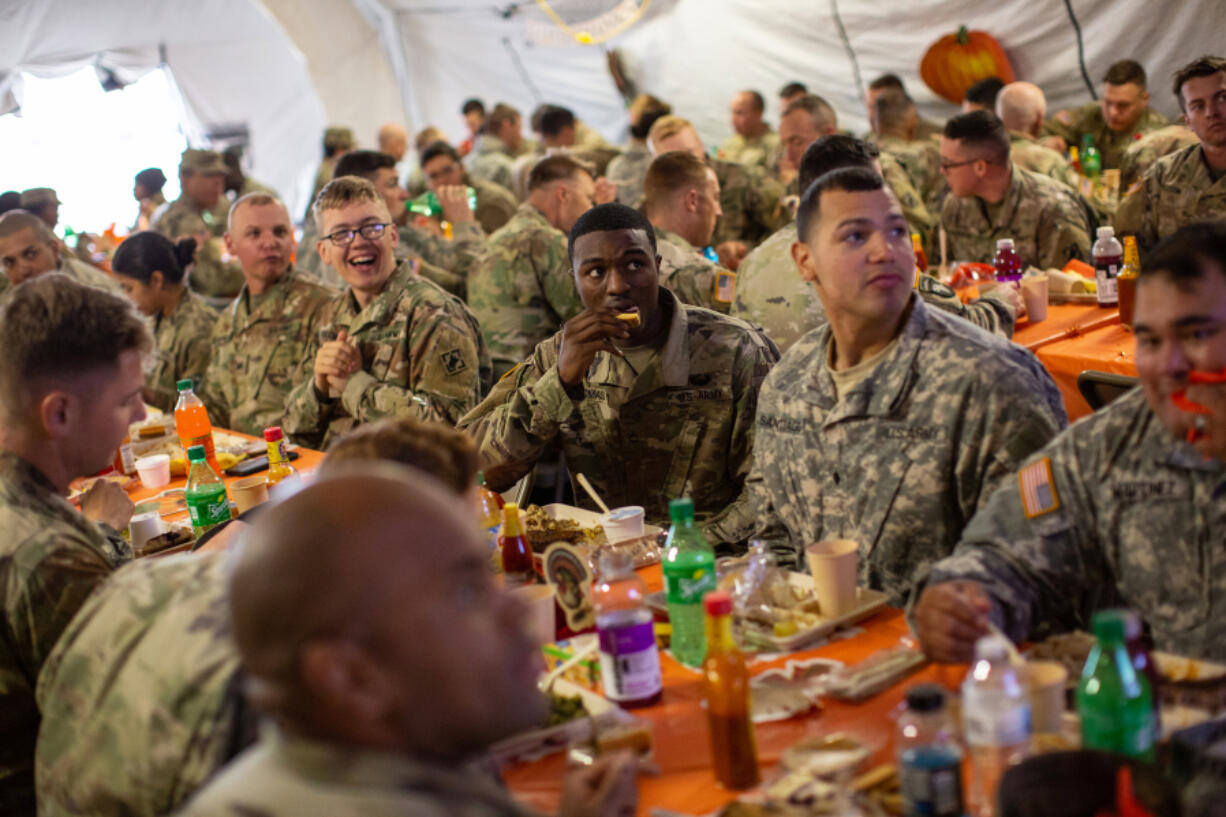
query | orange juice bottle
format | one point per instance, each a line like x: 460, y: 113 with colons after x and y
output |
x: 192, y: 423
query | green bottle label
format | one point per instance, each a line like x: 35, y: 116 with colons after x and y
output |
x: 208, y: 509
x: 689, y: 584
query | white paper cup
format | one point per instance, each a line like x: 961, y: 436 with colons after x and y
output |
x: 538, y: 598
x: 1047, y: 680
x: 1034, y: 295
x: 154, y: 470
x: 144, y: 526
x: 622, y: 524
x: 249, y: 492
x: 834, y: 564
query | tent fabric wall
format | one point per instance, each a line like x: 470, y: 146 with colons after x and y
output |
x: 698, y: 53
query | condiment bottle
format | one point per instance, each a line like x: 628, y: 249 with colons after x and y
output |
x: 490, y: 506
x: 517, y: 563
x: 929, y: 757
x: 207, y: 504
x: 1126, y: 284
x: 921, y: 258
x: 192, y: 423
x: 125, y: 461
x: 725, y: 686
x: 278, y: 462
x: 629, y: 657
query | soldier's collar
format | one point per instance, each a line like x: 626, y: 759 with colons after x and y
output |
x: 675, y: 356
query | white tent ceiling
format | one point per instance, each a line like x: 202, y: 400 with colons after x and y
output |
x: 285, y: 68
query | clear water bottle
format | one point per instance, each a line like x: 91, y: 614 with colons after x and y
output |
x: 629, y: 658
x: 1108, y: 254
x: 929, y: 757
x: 996, y: 720
x: 689, y: 574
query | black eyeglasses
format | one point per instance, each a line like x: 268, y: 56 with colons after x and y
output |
x: 343, y: 238
x: 944, y: 165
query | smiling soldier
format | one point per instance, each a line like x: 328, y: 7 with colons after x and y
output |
x: 650, y: 398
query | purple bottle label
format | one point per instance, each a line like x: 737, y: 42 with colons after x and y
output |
x: 629, y: 661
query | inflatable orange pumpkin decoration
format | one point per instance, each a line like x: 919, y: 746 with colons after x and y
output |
x: 957, y: 61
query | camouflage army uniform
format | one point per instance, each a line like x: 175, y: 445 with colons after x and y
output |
x: 1045, y: 219
x: 1088, y: 119
x: 495, y: 204
x: 211, y: 274
x: 691, y: 276
x: 771, y: 294
x: 763, y: 151
x: 1178, y: 190
x: 141, y: 698
x: 628, y: 171
x: 491, y: 161
x: 1028, y: 154
x: 259, y: 345
x: 86, y: 274
x: 681, y: 427
x: 307, y: 260
x: 455, y: 256
x: 422, y: 356
x: 1141, y: 155
x: 1123, y: 514
x: 289, y: 776
x: 752, y: 202
x: 184, y: 345
x: 522, y: 290
x: 921, y: 159
x: 51, y: 559
x: 901, y: 462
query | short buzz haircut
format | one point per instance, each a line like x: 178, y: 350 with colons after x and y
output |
x: 606, y: 217
x: 792, y: 89
x: 437, y: 149
x: 1126, y: 72
x: 559, y: 167
x: 832, y: 152
x: 891, y: 108
x: 1188, y: 253
x: 646, y: 109
x: 554, y: 119
x: 846, y: 179
x: 343, y: 191
x: 53, y: 330
x: 502, y: 113
x: 981, y: 131
x: 363, y: 163
x: 14, y: 221
x: 667, y: 126
x: 759, y: 103
x: 471, y: 105
x: 1205, y: 66
x: 439, y: 450
x: 886, y: 81
x: 818, y: 108
x: 984, y: 92
x: 670, y: 173
x: 257, y: 199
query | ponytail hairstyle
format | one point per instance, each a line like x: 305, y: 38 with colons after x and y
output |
x: 146, y: 252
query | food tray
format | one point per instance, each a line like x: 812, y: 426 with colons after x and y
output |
x: 1072, y: 297
x: 537, y: 743
x: 587, y: 519
x: 868, y: 603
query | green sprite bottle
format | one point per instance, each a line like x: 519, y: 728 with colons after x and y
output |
x: 207, y: 504
x: 689, y: 574
x: 1091, y: 160
x: 1115, y: 701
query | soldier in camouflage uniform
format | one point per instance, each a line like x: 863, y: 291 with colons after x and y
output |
x: 1142, y: 154
x: 499, y: 144
x: 260, y: 340
x: 681, y: 199
x: 440, y: 163
x: 70, y: 345
x: 29, y: 249
x: 991, y: 199
x: 150, y: 271
x: 627, y: 171
x: 1119, y: 510
x: 393, y: 343
x: 753, y: 143
x: 771, y: 294
x: 893, y: 445
x: 1028, y: 154
x: 337, y: 142
x: 1114, y: 121
x: 1190, y: 184
x: 647, y: 414
x: 200, y: 211
x: 895, y: 127
x: 522, y: 290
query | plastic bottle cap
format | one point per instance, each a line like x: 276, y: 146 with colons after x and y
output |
x: 272, y: 434
x: 717, y: 602
x: 195, y: 453
x: 926, y: 698
x: 1108, y: 625
x: 681, y: 510
x: 1106, y: 232
x: 1004, y: 243
x: 184, y: 385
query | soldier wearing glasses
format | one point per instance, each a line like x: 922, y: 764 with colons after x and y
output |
x: 991, y: 198
x: 393, y: 343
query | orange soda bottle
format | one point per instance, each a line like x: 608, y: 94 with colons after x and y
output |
x: 192, y: 423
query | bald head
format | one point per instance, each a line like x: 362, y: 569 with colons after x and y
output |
x: 393, y: 140
x: 1021, y: 106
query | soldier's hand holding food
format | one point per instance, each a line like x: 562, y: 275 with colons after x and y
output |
x: 104, y: 501
x: 335, y: 362
x: 583, y: 336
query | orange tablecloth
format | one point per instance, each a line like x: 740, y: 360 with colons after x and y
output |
x: 1064, y: 321
x: 687, y: 783
x: 1106, y: 349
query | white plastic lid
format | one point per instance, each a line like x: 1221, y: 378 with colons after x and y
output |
x: 991, y: 648
x: 1106, y: 232
x: 1004, y: 244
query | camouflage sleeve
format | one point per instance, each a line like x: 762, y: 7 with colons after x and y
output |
x: 988, y: 313
x: 918, y: 216
x: 738, y: 522
x: 444, y: 379
x: 552, y: 261
x: 307, y: 413
x: 1063, y: 234
x: 193, y: 360
x: 765, y: 205
x: 211, y: 390
x: 519, y: 419
x: 1041, y: 571
x: 449, y: 281
x: 766, y: 523
x: 455, y: 256
x: 1135, y: 215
